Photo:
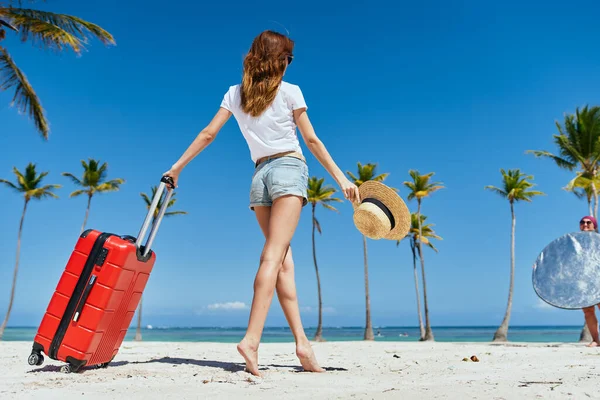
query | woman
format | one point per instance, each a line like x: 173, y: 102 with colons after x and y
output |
x: 268, y: 110
x: 589, y: 224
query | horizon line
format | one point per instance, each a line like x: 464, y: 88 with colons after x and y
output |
x: 329, y: 327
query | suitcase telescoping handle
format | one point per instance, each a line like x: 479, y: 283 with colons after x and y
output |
x: 165, y: 180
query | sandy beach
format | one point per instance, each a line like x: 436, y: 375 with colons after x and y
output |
x: 356, y: 370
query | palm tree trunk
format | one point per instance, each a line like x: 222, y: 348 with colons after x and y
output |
x: 421, y: 327
x: 428, y: 331
x: 502, y: 331
x: 591, y: 212
x: 368, y: 327
x: 595, y: 194
x: 138, y: 331
x: 87, y: 213
x: 319, y: 333
x: 14, y: 282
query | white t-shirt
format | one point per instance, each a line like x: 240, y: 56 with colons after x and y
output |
x: 274, y: 131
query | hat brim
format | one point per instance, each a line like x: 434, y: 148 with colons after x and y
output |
x: 391, y: 199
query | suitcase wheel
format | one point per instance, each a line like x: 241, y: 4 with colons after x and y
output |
x: 66, y: 369
x: 35, y: 359
x: 105, y: 365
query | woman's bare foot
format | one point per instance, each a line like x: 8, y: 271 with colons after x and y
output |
x: 250, y: 354
x: 307, y: 358
x: 592, y: 344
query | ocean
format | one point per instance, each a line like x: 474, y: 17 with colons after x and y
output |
x: 533, y: 334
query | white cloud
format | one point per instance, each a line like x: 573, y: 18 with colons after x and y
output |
x: 232, y: 305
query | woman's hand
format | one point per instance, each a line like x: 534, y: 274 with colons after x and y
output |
x: 174, y: 174
x: 350, y: 190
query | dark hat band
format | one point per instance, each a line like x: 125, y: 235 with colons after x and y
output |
x: 383, y: 208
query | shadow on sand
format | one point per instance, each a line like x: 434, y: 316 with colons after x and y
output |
x: 225, y: 366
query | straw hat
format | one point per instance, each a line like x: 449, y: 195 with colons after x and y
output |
x: 381, y: 213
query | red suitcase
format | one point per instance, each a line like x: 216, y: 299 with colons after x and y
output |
x: 98, y: 294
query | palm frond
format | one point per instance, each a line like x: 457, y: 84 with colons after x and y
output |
x: 25, y: 98
x: 317, y: 225
x: 583, y: 181
x: 432, y: 247
x: 9, y: 184
x: 351, y: 176
x: 78, y: 193
x: 578, y: 192
x: 560, y: 162
x: 21, y: 179
x: 327, y: 206
x: 55, y: 30
x: 46, y: 34
x: 102, y: 171
x: 172, y: 201
x: 381, y: 177
x: 146, y: 199
x: 496, y: 190
x: 31, y: 176
x: 528, y: 195
x: 317, y: 193
x: 109, y: 186
x: 44, y: 191
x: 170, y: 213
x: 73, y: 178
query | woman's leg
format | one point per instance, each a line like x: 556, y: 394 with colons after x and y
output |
x: 288, y: 299
x: 285, y: 214
x: 592, y: 324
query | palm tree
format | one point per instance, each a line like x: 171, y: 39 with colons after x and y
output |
x: 319, y: 194
x: 578, y: 144
x: 50, y: 31
x: 367, y: 173
x: 413, y: 235
x: 29, y: 185
x: 93, y: 181
x: 148, y: 201
x: 420, y: 188
x: 515, y: 187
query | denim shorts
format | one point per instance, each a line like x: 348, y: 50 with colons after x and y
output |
x: 278, y: 177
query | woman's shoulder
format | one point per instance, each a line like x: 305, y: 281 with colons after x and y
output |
x: 293, y: 95
x: 233, y: 88
x: 291, y: 90
x: 287, y: 86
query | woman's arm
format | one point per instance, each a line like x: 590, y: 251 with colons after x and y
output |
x: 317, y: 148
x: 204, y: 138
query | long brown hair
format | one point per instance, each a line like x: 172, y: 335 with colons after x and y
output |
x: 264, y: 66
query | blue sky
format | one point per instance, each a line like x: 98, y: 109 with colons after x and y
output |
x: 459, y: 88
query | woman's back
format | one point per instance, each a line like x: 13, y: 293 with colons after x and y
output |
x: 274, y: 130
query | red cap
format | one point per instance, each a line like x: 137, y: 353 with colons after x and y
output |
x: 591, y: 219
